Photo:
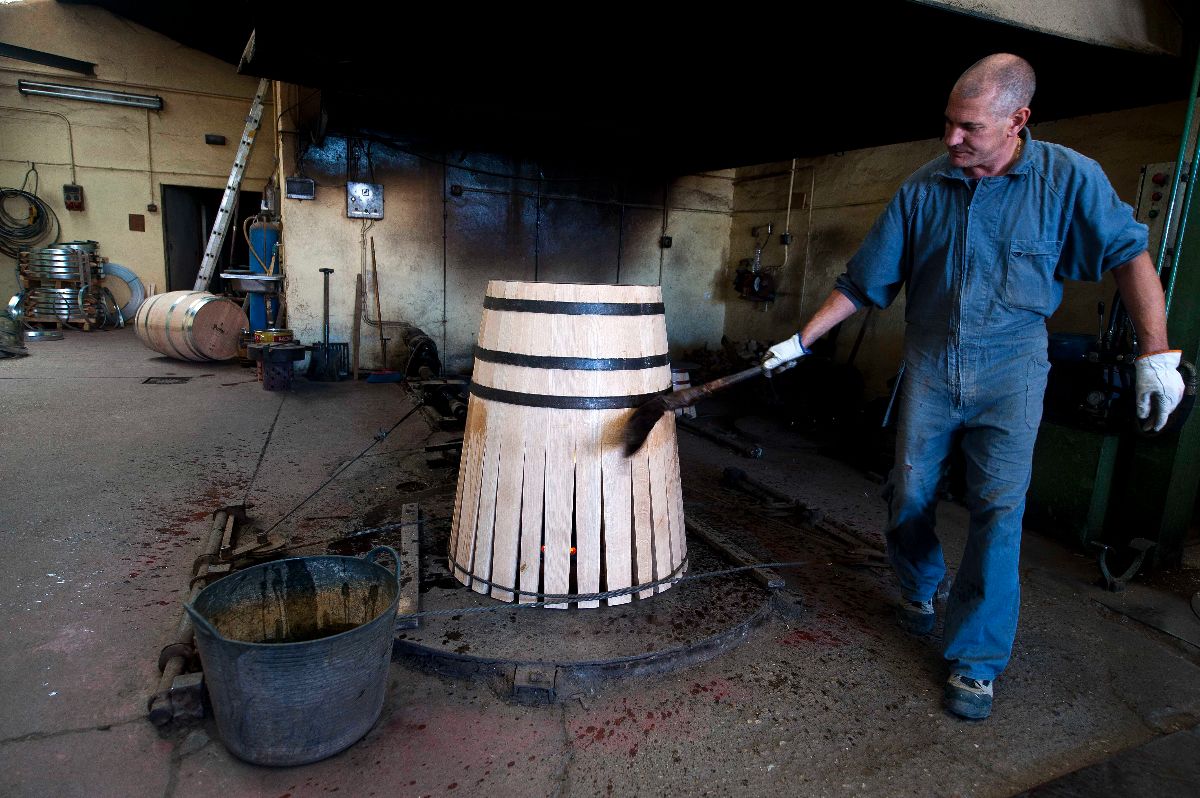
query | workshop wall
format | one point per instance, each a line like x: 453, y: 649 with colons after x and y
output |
x: 452, y: 223
x: 849, y: 190
x: 122, y: 155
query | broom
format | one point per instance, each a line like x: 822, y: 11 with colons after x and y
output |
x: 384, y: 374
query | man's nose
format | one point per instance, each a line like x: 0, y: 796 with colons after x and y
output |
x: 952, y: 137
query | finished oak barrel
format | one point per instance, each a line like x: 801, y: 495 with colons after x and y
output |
x: 191, y: 325
x: 548, y: 504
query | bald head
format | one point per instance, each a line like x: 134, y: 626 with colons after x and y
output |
x: 1007, y: 78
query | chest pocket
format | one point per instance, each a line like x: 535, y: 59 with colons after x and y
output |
x: 1029, y: 281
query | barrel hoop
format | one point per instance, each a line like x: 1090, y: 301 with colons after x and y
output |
x: 564, y: 402
x: 167, y: 327
x: 569, y: 598
x: 189, y: 324
x: 571, y: 363
x: 574, y: 308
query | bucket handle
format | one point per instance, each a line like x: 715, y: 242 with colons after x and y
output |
x: 202, y: 622
x: 374, y: 553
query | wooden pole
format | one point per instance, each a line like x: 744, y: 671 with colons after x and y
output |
x: 358, y: 306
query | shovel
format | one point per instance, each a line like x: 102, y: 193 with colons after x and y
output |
x: 328, y: 361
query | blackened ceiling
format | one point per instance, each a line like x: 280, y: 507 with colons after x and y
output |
x: 676, y: 91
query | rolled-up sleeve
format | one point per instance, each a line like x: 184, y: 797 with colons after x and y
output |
x: 877, y: 271
x: 1103, y: 232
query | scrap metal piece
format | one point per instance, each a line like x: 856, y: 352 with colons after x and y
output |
x: 172, y: 650
x: 187, y: 696
x: 535, y: 683
x: 160, y: 706
x: 1117, y: 583
x: 788, y: 604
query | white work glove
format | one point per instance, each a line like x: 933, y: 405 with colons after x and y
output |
x: 784, y: 352
x: 1158, y: 376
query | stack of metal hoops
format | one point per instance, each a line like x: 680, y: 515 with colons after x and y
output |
x: 63, y: 284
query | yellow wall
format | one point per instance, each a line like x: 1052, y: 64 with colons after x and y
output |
x: 849, y: 190
x: 115, y: 146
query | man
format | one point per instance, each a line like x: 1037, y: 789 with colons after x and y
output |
x: 982, y: 239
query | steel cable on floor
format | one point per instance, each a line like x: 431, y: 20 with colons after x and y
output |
x: 548, y: 599
x: 341, y: 469
x: 570, y: 598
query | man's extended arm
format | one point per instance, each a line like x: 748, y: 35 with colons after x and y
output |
x: 1142, y: 294
x: 1159, y: 387
x: 835, y: 309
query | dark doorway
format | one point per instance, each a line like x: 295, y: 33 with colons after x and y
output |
x: 188, y: 213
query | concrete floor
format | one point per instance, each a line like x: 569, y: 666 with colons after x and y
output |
x: 104, y: 496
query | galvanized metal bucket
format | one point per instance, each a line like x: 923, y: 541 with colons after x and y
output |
x: 296, y: 654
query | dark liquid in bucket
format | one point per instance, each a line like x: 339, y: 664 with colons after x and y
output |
x: 315, y: 634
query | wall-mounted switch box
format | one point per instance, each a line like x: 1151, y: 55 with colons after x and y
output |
x: 73, y: 197
x: 301, y: 188
x: 364, y: 200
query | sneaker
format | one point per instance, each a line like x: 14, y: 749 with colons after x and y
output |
x: 968, y: 698
x: 917, y: 617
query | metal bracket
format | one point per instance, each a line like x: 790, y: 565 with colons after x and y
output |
x: 187, y: 696
x: 535, y: 683
x: 188, y: 653
x: 1116, y: 584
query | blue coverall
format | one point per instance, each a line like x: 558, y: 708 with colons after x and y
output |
x: 983, y: 262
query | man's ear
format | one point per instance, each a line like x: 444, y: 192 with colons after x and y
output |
x: 1019, y: 119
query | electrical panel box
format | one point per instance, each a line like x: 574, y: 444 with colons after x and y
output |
x: 301, y: 188
x: 364, y: 200
x: 1154, y: 194
x: 73, y: 197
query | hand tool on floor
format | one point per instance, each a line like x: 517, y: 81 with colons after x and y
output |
x: 383, y: 374
x: 328, y: 361
x: 639, y: 425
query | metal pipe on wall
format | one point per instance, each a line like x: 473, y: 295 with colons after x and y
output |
x: 70, y: 135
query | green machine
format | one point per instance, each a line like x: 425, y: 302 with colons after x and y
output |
x: 1098, y: 482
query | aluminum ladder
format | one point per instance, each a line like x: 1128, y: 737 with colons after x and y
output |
x: 216, y: 239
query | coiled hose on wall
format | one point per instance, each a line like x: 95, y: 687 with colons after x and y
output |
x: 17, y: 232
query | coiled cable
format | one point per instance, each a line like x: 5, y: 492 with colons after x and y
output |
x: 39, y: 220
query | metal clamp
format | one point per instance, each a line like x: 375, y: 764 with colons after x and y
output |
x: 1116, y: 584
x: 187, y: 653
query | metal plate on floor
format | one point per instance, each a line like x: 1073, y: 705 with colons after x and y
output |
x: 165, y: 380
x: 690, y: 622
x: 1166, y: 612
x: 43, y: 335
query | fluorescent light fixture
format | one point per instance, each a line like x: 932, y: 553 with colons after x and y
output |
x: 154, y: 103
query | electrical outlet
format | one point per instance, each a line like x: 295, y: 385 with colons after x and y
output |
x: 73, y: 197
x: 786, y: 239
x: 665, y: 242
